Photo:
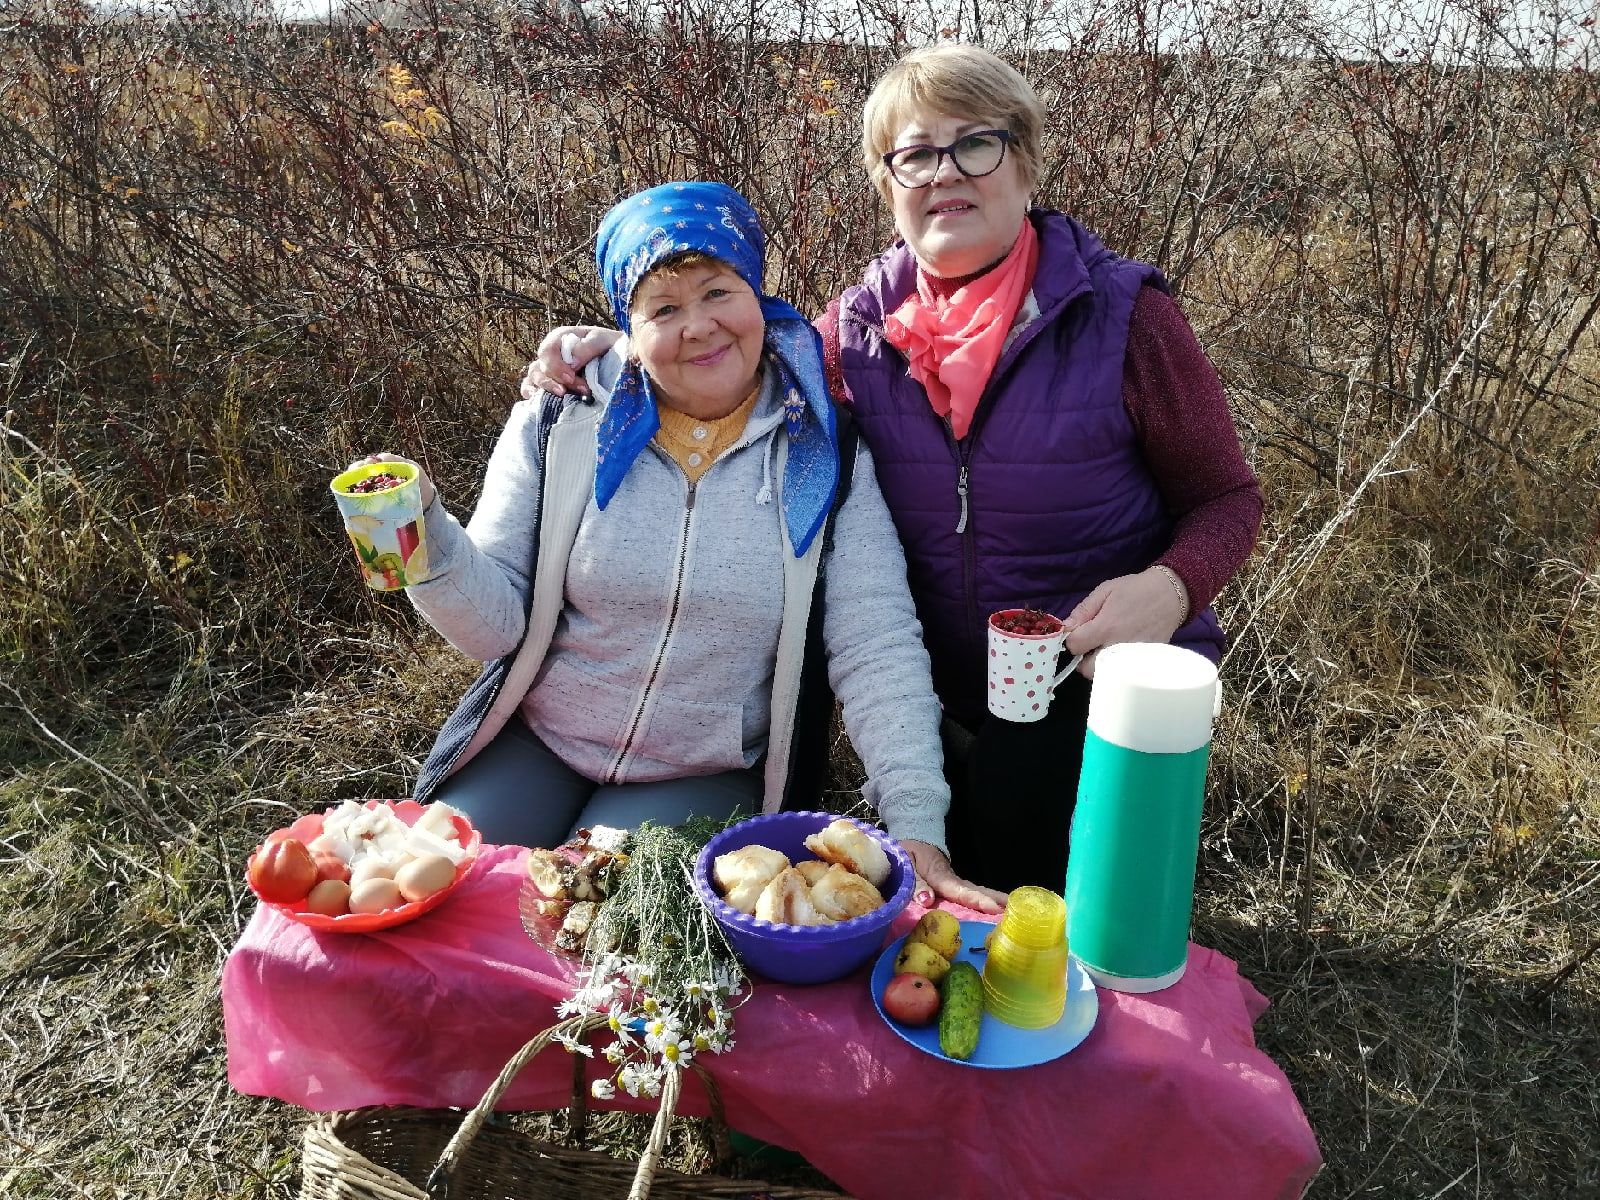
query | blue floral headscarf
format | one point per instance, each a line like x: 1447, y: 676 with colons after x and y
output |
x: 635, y: 237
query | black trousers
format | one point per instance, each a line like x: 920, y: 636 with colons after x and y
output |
x: 1013, y: 787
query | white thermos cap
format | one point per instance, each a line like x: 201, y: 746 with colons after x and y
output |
x: 1153, y: 698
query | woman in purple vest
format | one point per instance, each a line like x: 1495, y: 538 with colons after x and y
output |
x: 1045, y: 428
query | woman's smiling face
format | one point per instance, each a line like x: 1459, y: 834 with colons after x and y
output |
x: 958, y: 224
x: 698, y: 332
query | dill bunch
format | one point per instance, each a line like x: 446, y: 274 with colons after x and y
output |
x: 658, y: 965
x: 654, y: 920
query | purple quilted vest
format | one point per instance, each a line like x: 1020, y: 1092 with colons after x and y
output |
x: 1048, y: 495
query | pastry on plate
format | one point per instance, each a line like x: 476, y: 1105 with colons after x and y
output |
x: 843, y: 842
x: 843, y: 894
x: 787, y: 901
x: 741, y: 875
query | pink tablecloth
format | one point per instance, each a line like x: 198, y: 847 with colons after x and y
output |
x: 1168, y: 1097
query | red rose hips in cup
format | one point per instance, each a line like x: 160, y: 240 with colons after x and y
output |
x: 381, y: 482
x: 1027, y: 622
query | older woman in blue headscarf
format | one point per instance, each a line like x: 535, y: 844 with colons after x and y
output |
x: 666, y: 577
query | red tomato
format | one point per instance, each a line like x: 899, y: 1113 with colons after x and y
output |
x: 331, y: 866
x: 306, y: 829
x: 282, y: 871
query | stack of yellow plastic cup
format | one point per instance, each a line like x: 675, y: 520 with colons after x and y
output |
x: 1025, y: 972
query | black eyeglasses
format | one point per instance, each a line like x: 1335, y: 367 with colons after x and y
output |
x: 975, y: 154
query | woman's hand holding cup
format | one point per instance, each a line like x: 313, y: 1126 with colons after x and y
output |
x: 382, y: 498
x: 1147, y: 607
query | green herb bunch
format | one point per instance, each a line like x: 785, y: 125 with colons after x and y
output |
x: 658, y: 963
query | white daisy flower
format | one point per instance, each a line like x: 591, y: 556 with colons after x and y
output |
x: 574, y: 1046
x: 640, y: 1079
x: 596, y: 996
x: 676, y: 1051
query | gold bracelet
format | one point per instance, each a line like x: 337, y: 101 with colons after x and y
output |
x: 1178, y: 587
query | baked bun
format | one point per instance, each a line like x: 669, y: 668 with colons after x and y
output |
x: 741, y: 875
x: 787, y: 901
x: 843, y: 842
x: 813, y: 869
x: 843, y: 894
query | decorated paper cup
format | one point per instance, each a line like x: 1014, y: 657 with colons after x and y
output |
x: 384, y: 521
x: 1025, y: 970
x: 1022, y: 665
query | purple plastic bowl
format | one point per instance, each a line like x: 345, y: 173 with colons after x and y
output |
x: 802, y: 953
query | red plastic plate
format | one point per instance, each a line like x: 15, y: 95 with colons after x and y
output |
x: 309, y: 827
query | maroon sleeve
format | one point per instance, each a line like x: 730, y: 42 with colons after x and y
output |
x: 1181, y: 418
x: 828, y: 326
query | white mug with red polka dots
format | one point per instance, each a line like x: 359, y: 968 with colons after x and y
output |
x: 1022, y: 665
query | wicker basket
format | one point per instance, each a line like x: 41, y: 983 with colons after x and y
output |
x: 391, y: 1153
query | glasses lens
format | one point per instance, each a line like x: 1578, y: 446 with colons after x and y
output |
x: 978, y: 153
x: 915, y: 165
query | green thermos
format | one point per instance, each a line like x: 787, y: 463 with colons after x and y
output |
x: 1136, y: 829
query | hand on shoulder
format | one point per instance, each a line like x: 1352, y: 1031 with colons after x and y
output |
x: 558, y: 364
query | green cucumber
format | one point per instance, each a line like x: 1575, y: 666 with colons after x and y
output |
x: 960, y: 1011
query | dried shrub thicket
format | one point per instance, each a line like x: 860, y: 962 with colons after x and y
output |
x: 236, y: 252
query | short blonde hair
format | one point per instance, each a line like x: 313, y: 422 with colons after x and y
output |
x: 677, y: 264
x: 953, y: 81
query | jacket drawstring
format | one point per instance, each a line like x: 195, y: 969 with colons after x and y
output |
x: 764, y: 496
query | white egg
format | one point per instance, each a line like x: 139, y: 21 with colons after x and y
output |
x: 374, y: 895
x: 424, y: 876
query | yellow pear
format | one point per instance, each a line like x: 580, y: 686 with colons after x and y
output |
x: 939, y: 931
x: 921, y: 959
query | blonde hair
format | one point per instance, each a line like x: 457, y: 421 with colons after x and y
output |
x: 953, y: 81
x: 675, y: 265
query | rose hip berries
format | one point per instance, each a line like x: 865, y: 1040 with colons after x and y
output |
x: 381, y: 482
x: 1027, y: 622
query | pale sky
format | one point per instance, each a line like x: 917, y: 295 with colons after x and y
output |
x: 1524, y: 31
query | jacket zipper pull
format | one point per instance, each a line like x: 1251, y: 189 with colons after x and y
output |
x: 961, y: 490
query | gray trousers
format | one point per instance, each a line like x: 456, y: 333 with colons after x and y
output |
x: 518, y: 793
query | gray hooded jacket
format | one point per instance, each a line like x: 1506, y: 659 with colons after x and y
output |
x: 666, y: 633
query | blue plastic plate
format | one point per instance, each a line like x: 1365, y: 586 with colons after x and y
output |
x: 1000, y: 1046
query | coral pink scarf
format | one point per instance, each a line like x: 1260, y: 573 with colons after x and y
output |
x: 952, y: 343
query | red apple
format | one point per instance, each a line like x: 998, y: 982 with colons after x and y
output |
x: 911, y: 999
x: 330, y: 866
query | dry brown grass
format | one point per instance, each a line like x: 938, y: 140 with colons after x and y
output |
x: 221, y: 275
